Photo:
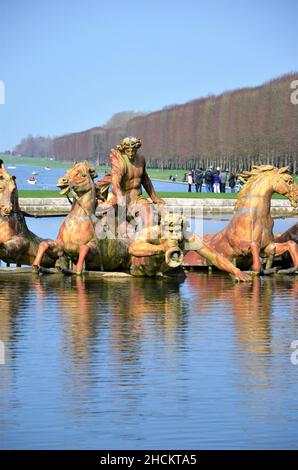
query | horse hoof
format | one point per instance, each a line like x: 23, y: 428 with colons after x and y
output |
x: 67, y: 272
x: 256, y: 273
x: 268, y: 272
x: 35, y: 268
x: 293, y: 270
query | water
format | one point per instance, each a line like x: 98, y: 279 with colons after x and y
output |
x: 145, y: 363
x: 46, y: 179
x: 49, y: 227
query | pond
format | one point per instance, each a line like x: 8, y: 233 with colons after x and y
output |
x: 46, y: 179
x: 144, y: 363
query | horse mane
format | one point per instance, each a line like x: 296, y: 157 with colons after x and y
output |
x: 248, y: 177
x: 256, y: 170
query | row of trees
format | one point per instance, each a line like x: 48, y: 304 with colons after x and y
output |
x: 233, y: 130
x: 35, y: 146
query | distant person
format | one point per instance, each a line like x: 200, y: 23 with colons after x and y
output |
x: 239, y: 185
x: 223, y: 180
x: 185, y: 178
x: 232, y: 182
x: 189, y: 181
x: 216, y: 183
x: 209, y: 180
x: 199, y: 180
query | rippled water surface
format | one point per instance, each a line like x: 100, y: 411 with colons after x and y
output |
x: 144, y: 363
x: 46, y: 179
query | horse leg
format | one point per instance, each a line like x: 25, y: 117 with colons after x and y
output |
x: 15, y: 248
x: 268, y: 268
x: 255, y: 251
x: 270, y: 258
x: 42, y: 248
x: 84, y: 250
x: 281, y: 248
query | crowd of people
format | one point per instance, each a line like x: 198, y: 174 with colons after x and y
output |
x: 215, y: 180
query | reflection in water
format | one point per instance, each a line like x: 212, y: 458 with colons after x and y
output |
x: 147, y: 363
x: 250, y: 305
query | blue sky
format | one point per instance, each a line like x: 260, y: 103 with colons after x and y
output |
x: 69, y: 65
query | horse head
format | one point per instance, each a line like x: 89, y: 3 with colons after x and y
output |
x: 268, y: 179
x: 284, y: 184
x: 78, y: 179
x: 7, y: 192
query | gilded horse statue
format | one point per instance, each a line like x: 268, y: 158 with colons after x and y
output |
x: 17, y: 243
x: 249, y: 233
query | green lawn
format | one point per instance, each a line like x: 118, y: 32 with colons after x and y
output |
x: 32, y: 161
x: 48, y: 193
x: 39, y: 193
x: 165, y: 174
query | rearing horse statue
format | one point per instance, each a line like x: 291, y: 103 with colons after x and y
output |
x: 17, y: 243
x: 250, y: 230
x: 77, y: 238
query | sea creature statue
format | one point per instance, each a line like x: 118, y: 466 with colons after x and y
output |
x: 172, y: 229
x: 249, y: 233
x: 17, y: 243
x: 87, y: 240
